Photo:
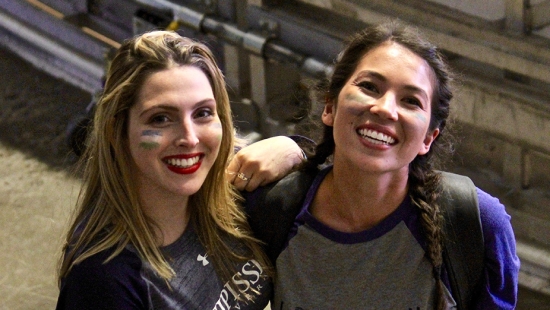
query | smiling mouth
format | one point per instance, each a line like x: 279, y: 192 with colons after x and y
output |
x: 375, y: 137
x: 183, y: 162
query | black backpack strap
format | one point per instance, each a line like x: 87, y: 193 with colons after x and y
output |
x: 463, y: 252
x: 272, y: 209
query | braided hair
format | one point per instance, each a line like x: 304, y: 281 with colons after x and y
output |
x: 423, y: 178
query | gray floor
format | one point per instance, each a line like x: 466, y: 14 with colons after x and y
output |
x: 34, y: 203
x: 37, y: 190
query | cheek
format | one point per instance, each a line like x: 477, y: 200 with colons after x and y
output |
x: 211, y: 136
x: 417, y: 127
x: 423, y: 122
x: 217, y: 131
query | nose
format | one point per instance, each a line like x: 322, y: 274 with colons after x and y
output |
x: 386, y: 107
x: 188, y: 135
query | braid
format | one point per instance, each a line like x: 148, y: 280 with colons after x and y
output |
x: 323, y: 150
x: 423, y: 189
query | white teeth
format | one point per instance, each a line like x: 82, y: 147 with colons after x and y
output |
x: 376, y: 137
x: 183, y: 162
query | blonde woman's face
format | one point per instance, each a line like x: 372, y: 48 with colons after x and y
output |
x: 174, y: 133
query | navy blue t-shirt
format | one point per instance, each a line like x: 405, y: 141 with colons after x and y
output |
x: 127, y: 282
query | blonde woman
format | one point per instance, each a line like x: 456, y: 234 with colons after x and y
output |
x: 157, y: 225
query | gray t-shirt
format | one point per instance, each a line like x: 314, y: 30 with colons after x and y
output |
x: 381, y: 268
x: 196, y: 285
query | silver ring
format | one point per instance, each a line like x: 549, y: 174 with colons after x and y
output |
x: 241, y: 176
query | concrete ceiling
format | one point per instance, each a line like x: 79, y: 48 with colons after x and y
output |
x: 495, y: 10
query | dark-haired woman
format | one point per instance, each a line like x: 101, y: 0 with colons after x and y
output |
x: 369, y: 234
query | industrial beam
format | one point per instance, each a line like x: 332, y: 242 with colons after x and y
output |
x: 253, y: 42
x: 514, y: 16
x: 81, y: 64
x: 538, y: 15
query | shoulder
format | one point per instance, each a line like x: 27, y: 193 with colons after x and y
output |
x: 97, y: 284
x: 501, y: 260
x: 498, y: 233
x: 490, y: 208
x: 492, y: 211
x: 496, y: 223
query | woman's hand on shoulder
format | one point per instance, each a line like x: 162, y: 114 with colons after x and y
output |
x: 263, y: 162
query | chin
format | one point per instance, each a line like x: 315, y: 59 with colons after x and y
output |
x: 189, y: 188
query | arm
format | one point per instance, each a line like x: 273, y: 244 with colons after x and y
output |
x: 114, y: 285
x: 501, y: 261
x: 265, y: 161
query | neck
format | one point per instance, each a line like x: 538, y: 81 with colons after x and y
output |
x: 170, y: 214
x: 351, y: 200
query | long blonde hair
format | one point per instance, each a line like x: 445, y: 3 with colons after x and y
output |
x: 108, y: 213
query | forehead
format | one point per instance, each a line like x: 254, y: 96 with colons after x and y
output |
x: 395, y: 62
x: 182, y: 84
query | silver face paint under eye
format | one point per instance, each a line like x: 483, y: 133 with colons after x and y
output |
x: 218, y: 126
x: 421, y: 117
x: 357, y: 109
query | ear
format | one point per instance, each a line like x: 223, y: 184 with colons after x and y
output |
x: 430, y: 138
x: 328, y: 114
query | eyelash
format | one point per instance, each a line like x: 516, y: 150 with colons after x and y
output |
x: 162, y: 118
x: 208, y: 111
x: 414, y: 101
x: 371, y: 87
x: 156, y: 119
x: 366, y: 86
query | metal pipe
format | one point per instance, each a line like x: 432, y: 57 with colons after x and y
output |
x: 89, y: 73
x: 254, y: 43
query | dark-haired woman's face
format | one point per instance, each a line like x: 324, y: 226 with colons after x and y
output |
x: 382, y: 117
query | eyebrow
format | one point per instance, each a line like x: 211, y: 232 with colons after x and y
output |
x: 372, y: 74
x: 175, y: 109
x: 378, y: 76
